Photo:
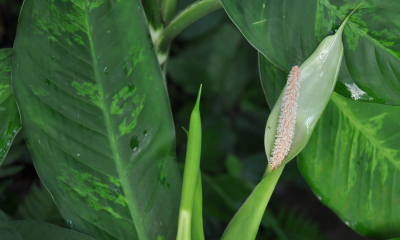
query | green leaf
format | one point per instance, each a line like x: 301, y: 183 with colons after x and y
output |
x: 191, y: 176
x: 223, y: 195
x: 246, y: 222
x: 11, y: 170
x: 352, y: 165
x: 352, y: 159
x: 290, y: 225
x: 233, y: 165
x: 9, y: 116
x: 287, y: 32
x: 96, y: 115
x: 215, y: 62
x: 39, y: 205
x: 307, y: 92
x: 35, y: 230
x: 7, y: 231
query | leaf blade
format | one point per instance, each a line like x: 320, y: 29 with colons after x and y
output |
x: 331, y: 145
x: 9, y: 116
x: 96, y: 101
x: 371, y: 53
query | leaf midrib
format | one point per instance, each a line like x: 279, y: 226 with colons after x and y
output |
x: 111, y: 137
x: 359, y: 126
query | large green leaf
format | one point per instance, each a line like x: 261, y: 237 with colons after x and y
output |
x: 287, y: 32
x: 9, y: 116
x: 96, y: 116
x: 39, y: 205
x: 35, y: 230
x: 7, y: 231
x: 352, y: 164
x: 352, y: 159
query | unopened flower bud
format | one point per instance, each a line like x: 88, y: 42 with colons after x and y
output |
x: 302, y: 101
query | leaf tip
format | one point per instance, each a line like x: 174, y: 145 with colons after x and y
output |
x: 197, y: 106
x: 348, y: 16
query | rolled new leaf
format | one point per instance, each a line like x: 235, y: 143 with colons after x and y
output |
x: 302, y: 101
x: 191, y: 178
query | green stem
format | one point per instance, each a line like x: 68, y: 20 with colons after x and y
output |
x: 183, y: 19
x: 197, y: 219
x: 246, y: 222
x: 190, y: 174
x: 168, y: 9
x: 152, y: 9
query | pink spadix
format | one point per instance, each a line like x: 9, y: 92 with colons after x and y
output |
x: 287, y: 119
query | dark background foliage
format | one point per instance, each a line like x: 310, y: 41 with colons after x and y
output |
x: 211, y: 52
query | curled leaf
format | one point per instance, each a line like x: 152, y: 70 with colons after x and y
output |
x: 318, y: 75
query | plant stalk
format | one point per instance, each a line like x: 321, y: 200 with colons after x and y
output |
x: 183, y: 19
x: 246, y: 221
x: 168, y: 9
x: 197, y: 219
x: 152, y: 8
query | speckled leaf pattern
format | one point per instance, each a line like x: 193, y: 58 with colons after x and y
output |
x: 9, y: 116
x: 96, y: 115
x: 287, y: 32
x: 352, y: 160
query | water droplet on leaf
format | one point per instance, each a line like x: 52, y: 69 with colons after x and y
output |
x: 145, y: 133
x: 69, y: 223
x: 134, y: 143
x: 106, y: 71
x: 47, y: 82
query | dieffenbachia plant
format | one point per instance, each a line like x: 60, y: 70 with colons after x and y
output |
x: 303, y: 100
x: 352, y: 158
x: 290, y: 125
x: 93, y: 104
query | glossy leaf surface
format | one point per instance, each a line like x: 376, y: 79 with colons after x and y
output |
x: 35, y: 230
x: 97, y: 116
x: 39, y: 205
x: 352, y: 159
x: 287, y: 32
x: 7, y: 231
x: 9, y: 116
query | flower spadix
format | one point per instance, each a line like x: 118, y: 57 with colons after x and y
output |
x: 302, y: 101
